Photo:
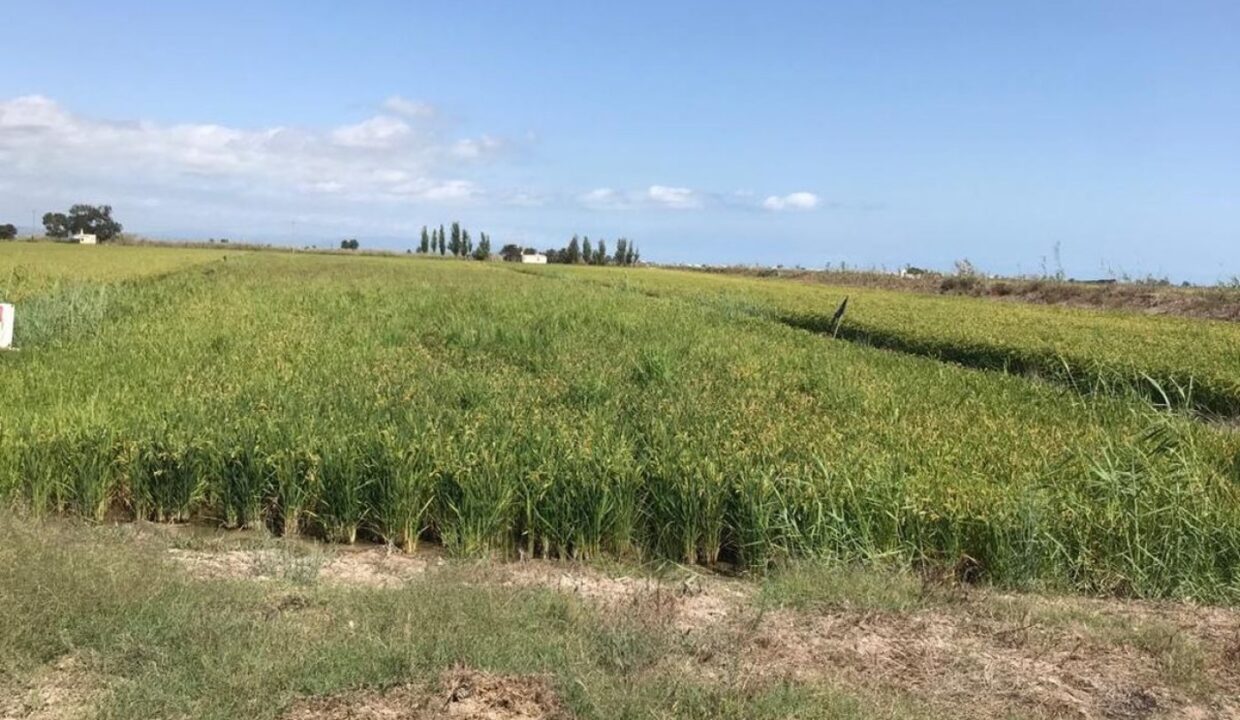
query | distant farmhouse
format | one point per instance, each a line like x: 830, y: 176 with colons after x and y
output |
x: 533, y: 256
x: 82, y: 238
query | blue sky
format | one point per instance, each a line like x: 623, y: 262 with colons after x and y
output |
x: 876, y: 134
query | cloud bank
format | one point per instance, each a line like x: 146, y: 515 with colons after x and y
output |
x: 395, y: 155
x: 194, y: 177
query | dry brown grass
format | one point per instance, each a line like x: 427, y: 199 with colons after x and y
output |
x: 461, y: 693
x: 1155, y: 298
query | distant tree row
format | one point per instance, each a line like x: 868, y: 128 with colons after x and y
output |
x: 91, y: 219
x: 583, y: 252
x: 350, y: 244
x: 457, y: 242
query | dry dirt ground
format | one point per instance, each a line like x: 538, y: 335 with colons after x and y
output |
x: 982, y: 654
x: 977, y: 653
x: 66, y: 690
x: 460, y: 693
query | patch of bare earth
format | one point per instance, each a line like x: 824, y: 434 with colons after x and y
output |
x: 460, y: 693
x: 966, y: 662
x: 368, y: 567
x: 65, y: 690
x: 689, y: 602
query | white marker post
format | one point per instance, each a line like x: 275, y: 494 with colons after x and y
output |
x: 6, y: 326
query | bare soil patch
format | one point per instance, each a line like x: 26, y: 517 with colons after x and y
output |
x: 1100, y: 660
x: 973, y: 653
x: 65, y: 690
x: 460, y: 693
x: 689, y: 602
x: 366, y: 567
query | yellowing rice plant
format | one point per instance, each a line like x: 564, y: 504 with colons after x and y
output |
x: 571, y: 413
x: 1176, y: 361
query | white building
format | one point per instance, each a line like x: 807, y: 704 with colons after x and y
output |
x: 82, y: 238
x: 535, y: 258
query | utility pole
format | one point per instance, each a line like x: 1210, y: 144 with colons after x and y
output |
x: 32, y: 213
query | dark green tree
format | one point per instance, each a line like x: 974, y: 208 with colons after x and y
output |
x: 95, y: 220
x: 56, y: 225
x: 424, y: 245
x: 484, y: 247
x: 443, y: 247
x: 600, y: 255
x: 587, y: 252
x: 454, y: 241
x: 8, y: 231
x: 573, y: 253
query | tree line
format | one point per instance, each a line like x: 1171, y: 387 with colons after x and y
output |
x: 580, y: 251
x: 81, y: 218
x: 456, y: 242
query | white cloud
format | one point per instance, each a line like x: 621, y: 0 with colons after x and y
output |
x: 398, y: 105
x: 522, y: 198
x: 792, y: 201
x: 450, y: 190
x: 471, y: 148
x: 605, y: 198
x: 384, y: 158
x: 678, y: 198
x: 379, y: 132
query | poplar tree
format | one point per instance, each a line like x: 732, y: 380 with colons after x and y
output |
x: 484, y: 247
x: 454, y: 239
x: 587, y: 252
x: 425, y: 245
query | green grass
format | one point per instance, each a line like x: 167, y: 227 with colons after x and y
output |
x: 579, y: 413
x: 160, y: 644
x: 820, y: 587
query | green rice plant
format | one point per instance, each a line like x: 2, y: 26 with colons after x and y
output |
x: 344, y: 476
x: 588, y: 411
x: 478, y: 500
x: 163, y: 478
x: 402, y: 488
x: 244, y: 479
x: 590, y: 502
x: 1150, y: 518
x: 294, y: 484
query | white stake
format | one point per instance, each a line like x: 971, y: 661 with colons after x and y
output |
x: 6, y: 326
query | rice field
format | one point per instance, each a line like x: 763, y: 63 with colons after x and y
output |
x: 579, y: 412
x: 1177, y: 361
